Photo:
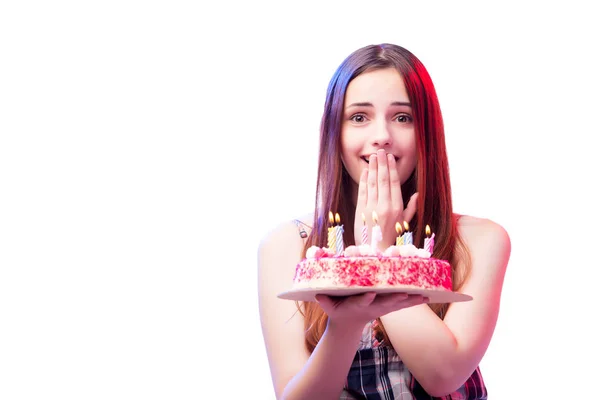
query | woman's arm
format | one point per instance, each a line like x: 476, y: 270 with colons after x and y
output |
x: 297, y: 374
x: 442, y: 355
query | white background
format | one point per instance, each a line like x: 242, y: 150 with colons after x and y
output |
x: 147, y: 147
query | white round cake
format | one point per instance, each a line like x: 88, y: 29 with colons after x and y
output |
x: 359, y: 266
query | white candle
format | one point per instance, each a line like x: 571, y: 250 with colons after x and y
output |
x: 408, y: 236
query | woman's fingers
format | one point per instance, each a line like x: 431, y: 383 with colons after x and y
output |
x: 411, y: 207
x: 363, y: 197
x: 363, y: 300
x: 380, y: 190
x: 387, y: 301
x: 395, y: 186
x: 372, y: 183
x: 390, y: 299
x: 361, y: 206
x: 330, y: 303
x: 383, y: 180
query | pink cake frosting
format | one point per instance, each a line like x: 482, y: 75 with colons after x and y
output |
x: 359, y: 266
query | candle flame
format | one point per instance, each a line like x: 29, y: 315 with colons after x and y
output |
x: 374, y: 217
x: 406, y: 226
x: 398, y: 228
x: 427, y: 230
x: 337, y: 218
x: 330, y: 217
x: 363, y: 217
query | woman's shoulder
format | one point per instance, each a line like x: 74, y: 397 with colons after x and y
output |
x: 471, y: 225
x: 291, y: 230
x: 281, y: 248
x: 484, y: 236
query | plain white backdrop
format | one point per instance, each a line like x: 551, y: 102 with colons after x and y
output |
x: 147, y: 147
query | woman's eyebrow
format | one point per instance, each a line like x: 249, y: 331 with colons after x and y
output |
x: 366, y: 104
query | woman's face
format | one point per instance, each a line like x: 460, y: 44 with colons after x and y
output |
x: 378, y: 115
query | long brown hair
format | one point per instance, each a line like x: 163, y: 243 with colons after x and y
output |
x: 431, y: 178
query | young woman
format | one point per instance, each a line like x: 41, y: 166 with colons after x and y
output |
x: 382, y: 148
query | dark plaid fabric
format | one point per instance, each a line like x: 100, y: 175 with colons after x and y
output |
x: 378, y: 373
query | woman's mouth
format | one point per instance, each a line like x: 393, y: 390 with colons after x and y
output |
x: 366, y: 159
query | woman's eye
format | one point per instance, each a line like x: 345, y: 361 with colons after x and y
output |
x: 358, y: 118
x: 403, y: 118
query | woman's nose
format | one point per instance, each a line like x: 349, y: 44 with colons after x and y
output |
x: 381, y: 135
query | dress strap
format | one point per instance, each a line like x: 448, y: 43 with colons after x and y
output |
x: 301, y: 228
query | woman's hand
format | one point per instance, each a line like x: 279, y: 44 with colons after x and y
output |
x: 358, y: 310
x: 380, y: 190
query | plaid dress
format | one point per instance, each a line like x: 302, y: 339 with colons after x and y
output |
x: 378, y: 373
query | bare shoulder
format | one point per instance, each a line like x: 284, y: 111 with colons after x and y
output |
x: 485, y: 239
x: 286, y: 231
x: 475, y: 228
x: 282, y: 233
x: 283, y: 246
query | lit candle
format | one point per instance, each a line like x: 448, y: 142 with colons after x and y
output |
x: 339, y: 236
x: 400, y: 238
x: 331, y: 233
x: 376, y: 235
x: 408, y: 236
x: 364, y: 230
x: 429, y: 240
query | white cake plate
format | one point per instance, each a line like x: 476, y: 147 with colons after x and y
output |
x: 435, y: 296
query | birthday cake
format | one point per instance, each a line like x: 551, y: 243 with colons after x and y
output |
x: 339, y: 271
x: 403, y: 266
